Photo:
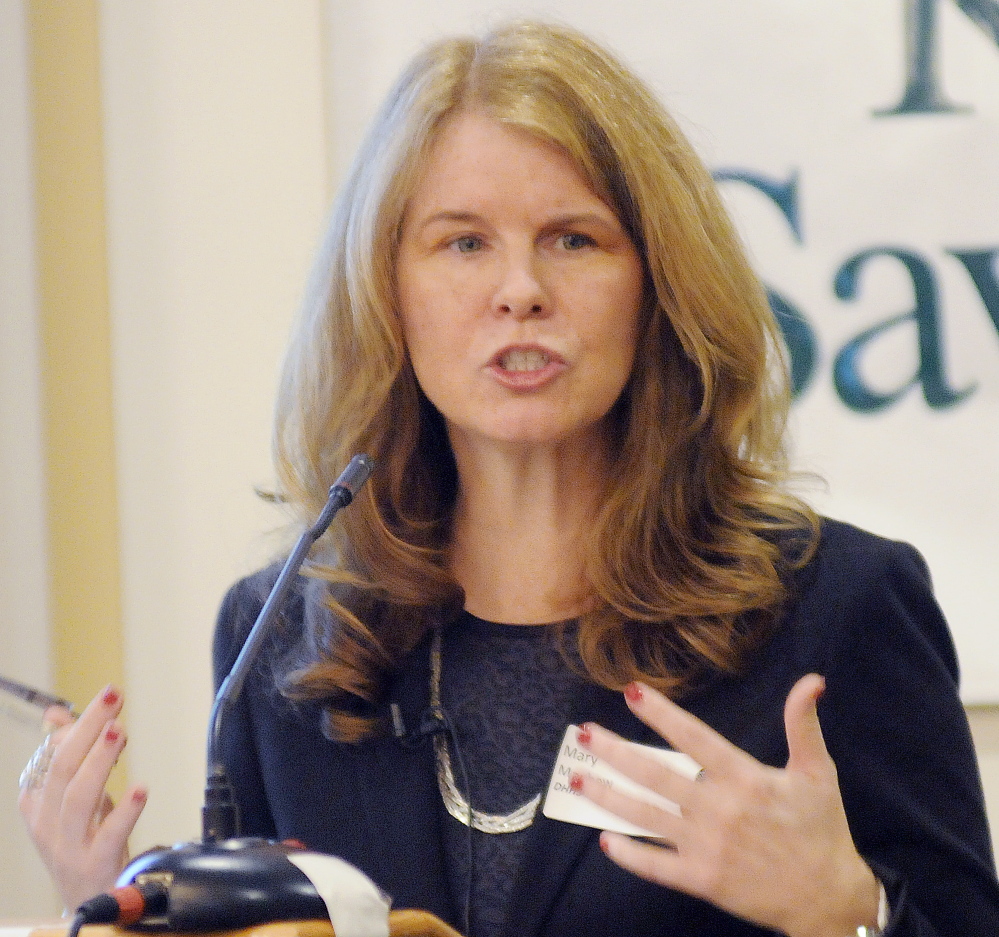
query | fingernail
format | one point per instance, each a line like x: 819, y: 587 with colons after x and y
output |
x: 112, y: 734
x: 139, y: 796
x: 633, y: 693
x: 821, y: 691
x: 585, y: 734
x: 110, y: 696
x: 576, y: 782
x: 603, y: 842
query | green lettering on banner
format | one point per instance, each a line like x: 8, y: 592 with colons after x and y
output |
x: 847, y: 379
x: 922, y: 93
x: 798, y: 335
x: 981, y: 266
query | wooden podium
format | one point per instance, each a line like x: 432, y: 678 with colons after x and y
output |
x: 402, y: 923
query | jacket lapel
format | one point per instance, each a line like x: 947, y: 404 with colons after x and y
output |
x: 398, y: 797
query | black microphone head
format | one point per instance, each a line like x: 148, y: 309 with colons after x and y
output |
x: 354, y: 475
x: 433, y: 721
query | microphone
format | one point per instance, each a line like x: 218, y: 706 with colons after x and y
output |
x: 220, y: 814
x: 228, y: 881
x: 433, y: 721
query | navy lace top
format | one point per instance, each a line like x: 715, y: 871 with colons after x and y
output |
x: 507, y: 693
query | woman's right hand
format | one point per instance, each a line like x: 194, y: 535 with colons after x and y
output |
x: 80, y: 834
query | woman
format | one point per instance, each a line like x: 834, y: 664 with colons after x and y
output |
x: 533, y: 312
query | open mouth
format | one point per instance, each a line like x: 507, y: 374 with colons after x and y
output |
x: 524, y: 359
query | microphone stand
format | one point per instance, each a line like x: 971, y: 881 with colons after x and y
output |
x: 226, y: 881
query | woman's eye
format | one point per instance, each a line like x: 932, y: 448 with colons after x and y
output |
x: 467, y: 244
x: 573, y: 242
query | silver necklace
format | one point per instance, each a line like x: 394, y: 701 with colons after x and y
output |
x: 454, y: 800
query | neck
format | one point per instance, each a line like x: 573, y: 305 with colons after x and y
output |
x: 522, y: 522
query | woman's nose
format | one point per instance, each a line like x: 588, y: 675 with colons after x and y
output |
x: 521, y: 291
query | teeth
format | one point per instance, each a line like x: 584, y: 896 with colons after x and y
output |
x: 524, y: 360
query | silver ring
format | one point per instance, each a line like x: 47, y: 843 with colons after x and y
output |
x: 33, y: 775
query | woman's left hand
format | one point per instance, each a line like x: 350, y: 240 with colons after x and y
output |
x: 768, y: 845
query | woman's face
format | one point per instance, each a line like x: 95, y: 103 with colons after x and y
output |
x: 519, y: 290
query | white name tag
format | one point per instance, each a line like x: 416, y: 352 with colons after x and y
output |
x: 563, y: 803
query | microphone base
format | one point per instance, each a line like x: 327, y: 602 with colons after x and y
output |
x: 220, y: 886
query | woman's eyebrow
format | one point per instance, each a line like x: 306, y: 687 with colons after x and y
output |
x: 582, y: 218
x: 557, y: 221
x: 452, y: 217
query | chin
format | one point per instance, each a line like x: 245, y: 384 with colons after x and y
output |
x: 543, y: 434
x: 537, y: 426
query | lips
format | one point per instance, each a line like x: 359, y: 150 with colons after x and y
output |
x: 524, y: 368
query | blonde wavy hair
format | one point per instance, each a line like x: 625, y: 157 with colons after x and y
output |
x: 690, y: 553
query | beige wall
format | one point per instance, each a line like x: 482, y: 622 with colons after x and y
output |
x: 217, y: 185
x: 212, y: 124
x: 212, y: 121
x: 24, y: 614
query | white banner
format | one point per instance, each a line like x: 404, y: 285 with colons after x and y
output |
x: 857, y: 143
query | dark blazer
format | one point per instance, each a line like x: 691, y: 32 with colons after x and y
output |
x: 861, y: 613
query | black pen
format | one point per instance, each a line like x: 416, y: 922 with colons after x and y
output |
x: 35, y: 697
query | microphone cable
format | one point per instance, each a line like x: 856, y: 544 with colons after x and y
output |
x: 434, y: 720
x: 123, y: 906
x: 470, y: 835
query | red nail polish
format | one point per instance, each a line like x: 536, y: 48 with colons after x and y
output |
x: 576, y: 782
x: 633, y: 693
x: 112, y: 734
x: 585, y: 735
x: 111, y: 696
x: 139, y: 796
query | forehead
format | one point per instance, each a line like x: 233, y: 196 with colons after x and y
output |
x: 475, y: 155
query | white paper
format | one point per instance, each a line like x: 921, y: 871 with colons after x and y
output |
x: 356, y: 906
x: 563, y: 803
